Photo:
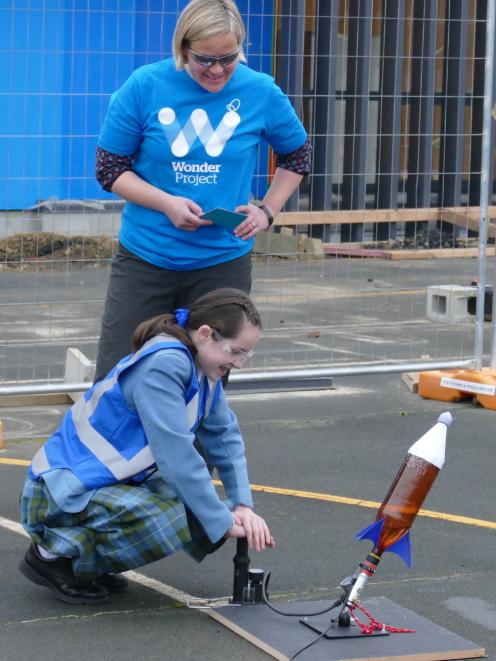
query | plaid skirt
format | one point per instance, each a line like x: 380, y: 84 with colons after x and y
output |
x: 123, y: 527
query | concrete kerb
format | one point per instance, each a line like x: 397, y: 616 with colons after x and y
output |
x: 289, y: 245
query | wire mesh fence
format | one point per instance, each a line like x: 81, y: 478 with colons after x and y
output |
x: 392, y: 95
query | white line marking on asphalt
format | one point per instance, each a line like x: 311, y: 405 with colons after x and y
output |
x: 158, y: 586
x: 13, y: 526
x: 75, y: 616
x: 349, y: 352
x: 302, y: 394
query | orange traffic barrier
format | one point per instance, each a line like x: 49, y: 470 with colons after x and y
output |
x: 453, y: 385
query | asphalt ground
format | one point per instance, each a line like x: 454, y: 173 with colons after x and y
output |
x: 323, y: 453
x: 315, y: 312
x: 315, y: 459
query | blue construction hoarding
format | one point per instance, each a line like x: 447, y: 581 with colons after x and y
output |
x: 60, y: 60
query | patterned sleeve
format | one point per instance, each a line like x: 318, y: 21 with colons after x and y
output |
x: 109, y: 167
x: 298, y: 161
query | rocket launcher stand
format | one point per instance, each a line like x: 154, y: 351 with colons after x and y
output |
x: 390, y: 532
x: 278, y: 637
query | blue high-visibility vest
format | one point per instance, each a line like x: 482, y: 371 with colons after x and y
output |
x: 101, y: 440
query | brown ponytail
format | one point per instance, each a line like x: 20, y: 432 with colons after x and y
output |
x: 164, y: 323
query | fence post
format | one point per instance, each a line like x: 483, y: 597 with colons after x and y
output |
x: 485, y: 190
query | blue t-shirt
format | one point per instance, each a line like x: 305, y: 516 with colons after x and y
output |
x: 195, y: 144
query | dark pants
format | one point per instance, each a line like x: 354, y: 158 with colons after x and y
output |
x: 138, y: 291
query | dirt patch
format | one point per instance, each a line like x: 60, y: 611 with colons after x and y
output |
x: 46, y: 249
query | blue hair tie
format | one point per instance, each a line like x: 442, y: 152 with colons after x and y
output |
x: 182, y: 315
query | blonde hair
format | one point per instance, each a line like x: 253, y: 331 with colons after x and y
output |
x: 201, y: 19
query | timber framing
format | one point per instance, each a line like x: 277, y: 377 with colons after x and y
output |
x: 466, y: 217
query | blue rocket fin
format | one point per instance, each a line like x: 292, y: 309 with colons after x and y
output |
x: 372, y: 532
x: 402, y: 548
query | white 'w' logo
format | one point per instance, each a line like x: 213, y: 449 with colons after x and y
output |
x: 198, y: 126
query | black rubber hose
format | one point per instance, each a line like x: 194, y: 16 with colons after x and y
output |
x: 265, y: 599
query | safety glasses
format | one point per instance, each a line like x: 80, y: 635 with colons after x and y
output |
x: 208, y: 61
x: 237, y: 354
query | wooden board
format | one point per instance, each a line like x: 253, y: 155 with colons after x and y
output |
x: 438, y: 253
x: 45, y: 399
x: 468, y: 217
x: 411, y: 380
x: 281, y: 637
x: 420, y: 253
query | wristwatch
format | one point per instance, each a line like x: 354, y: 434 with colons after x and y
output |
x: 265, y: 209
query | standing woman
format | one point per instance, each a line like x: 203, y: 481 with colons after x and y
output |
x: 181, y: 137
x: 120, y: 483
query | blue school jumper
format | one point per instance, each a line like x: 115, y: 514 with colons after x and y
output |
x: 102, y: 441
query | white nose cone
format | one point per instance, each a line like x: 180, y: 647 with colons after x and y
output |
x: 432, y: 445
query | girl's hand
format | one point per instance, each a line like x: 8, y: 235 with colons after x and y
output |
x: 253, y: 527
x: 184, y: 213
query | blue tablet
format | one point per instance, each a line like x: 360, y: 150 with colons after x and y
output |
x: 223, y: 217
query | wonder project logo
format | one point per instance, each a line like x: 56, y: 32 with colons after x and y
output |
x: 181, y: 139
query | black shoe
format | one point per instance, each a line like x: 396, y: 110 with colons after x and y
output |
x: 57, y: 576
x: 113, y: 583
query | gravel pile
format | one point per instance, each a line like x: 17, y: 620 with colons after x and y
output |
x: 423, y: 240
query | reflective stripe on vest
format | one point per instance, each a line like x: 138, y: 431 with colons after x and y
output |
x: 107, y: 455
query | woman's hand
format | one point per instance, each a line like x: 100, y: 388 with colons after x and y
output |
x: 248, y: 524
x: 255, y: 222
x: 184, y: 213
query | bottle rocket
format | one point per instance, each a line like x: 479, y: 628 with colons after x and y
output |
x: 390, y: 530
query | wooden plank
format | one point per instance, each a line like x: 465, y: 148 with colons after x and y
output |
x: 34, y: 400
x: 281, y: 637
x: 348, y: 251
x: 437, y: 253
x: 411, y: 380
x: 461, y: 215
x: 421, y: 253
x: 466, y: 219
x: 355, y: 216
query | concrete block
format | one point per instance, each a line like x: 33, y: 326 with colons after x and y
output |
x: 78, y: 369
x: 302, y: 243
x: 315, y: 248
x: 448, y: 304
x: 261, y: 245
x: 280, y: 245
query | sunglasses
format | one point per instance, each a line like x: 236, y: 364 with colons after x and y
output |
x: 238, y: 354
x: 208, y: 61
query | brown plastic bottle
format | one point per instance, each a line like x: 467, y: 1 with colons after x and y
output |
x: 404, y: 499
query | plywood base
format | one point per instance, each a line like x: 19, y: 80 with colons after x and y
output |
x: 281, y: 637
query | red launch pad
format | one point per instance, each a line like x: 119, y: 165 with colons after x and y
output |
x: 281, y: 637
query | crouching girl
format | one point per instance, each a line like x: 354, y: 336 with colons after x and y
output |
x: 121, y: 483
